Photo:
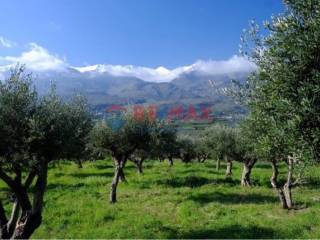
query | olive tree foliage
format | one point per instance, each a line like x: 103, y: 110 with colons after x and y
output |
x: 221, y: 140
x: 133, y: 136
x: 232, y: 144
x: 244, y: 150
x: 186, y: 148
x: 202, y: 148
x: 283, y: 94
x: 165, y: 143
x: 34, y: 132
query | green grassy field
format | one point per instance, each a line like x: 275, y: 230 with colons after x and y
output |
x: 185, y: 201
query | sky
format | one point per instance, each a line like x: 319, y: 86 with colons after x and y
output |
x: 148, y: 33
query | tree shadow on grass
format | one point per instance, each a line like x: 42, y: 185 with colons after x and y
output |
x: 263, y: 165
x: 186, y: 172
x: 194, y: 181
x: 233, y: 198
x: 312, y: 183
x: 84, y: 175
x: 231, y: 232
x: 234, y: 231
x: 226, y: 181
x: 190, y: 181
x: 217, y: 172
x: 102, y: 166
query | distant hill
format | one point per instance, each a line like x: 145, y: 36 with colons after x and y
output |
x: 103, y: 90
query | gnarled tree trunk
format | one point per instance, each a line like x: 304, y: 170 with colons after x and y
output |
x: 79, y: 162
x: 275, y: 185
x: 119, y: 163
x: 170, y: 161
x: 31, y: 217
x: 139, y: 163
x: 22, y: 226
x: 288, y: 185
x: 229, y: 166
x: 114, y: 185
x: 246, y: 173
x: 122, y: 177
x: 28, y: 223
x: 14, y: 217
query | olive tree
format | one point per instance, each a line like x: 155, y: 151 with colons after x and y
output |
x: 202, y: 148
x: 244, y: 150
x: 283, y: 94
x: 138, y: 157
x: 33, y: 133
x: 134, y: 134
x: 165, y: 145
x: 221, y: 139
x: 186, y: 149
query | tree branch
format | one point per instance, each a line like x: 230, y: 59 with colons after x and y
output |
x: 8, y: 180
x: 19, y: 190
x: 11, y: 225
x: 40, y: 187
x: 274, y: 177
x: 30, y: 178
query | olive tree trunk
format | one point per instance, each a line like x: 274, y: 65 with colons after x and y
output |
x: 22, y: 226
x: 31, y: 218
x: 139, y: 164
x: 288, y: 185
x: 79, y: 162
x: 284, y: 192
x: 118, y: 173
x: 29, y: 222
x: 275, y: 185
x: 114, y: 185
x: 122, y: 177
x: 229, y: 166
x: 246, y: 173
x: 7, y: 226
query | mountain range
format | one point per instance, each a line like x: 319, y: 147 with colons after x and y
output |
x: 103, y: 89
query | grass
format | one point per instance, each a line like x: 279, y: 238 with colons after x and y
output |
x: 184, y: 201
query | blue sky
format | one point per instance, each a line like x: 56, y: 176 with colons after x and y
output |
x: 149, y: 33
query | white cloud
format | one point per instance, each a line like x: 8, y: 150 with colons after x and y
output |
x: 232, y: 65
x: 162, y: 74
x: 37, y: 58
x: 159, y: 74
x: 6, y: 43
